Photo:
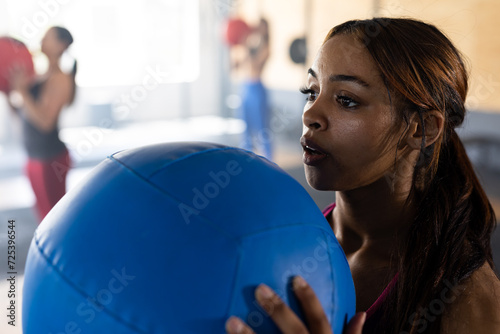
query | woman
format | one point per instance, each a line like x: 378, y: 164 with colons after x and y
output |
x: 43, y: 100
x: 384, y: 99
x: 255, y: 105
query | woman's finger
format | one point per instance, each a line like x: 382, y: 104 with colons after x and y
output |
x: 355, y: 326
x: 286, y: 320
x: 18, y: 77
x: 311, y: 306
x: 235, y: 325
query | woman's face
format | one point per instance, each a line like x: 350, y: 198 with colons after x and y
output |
x: 51, y: 45
x: 351, y: 131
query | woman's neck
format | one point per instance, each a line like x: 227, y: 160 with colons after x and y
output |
x: 53, y: 65
x: 372, y: 218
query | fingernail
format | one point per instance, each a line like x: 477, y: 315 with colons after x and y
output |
x: 264, y: 291
x: 234, y: 325
x: 363, y: 317
x: 299, y: 282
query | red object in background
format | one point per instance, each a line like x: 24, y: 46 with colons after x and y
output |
x: 13, y: 53
x: 236, y: 31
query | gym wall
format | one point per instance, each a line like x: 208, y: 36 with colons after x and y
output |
x: 473, y: 26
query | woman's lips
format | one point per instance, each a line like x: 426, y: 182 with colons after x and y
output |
x: 313, y: 153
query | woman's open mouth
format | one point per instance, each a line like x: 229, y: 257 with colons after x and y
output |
x: 313, y: 154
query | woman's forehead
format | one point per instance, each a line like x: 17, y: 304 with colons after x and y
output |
x: 51, y: 32
x: 345, y: 55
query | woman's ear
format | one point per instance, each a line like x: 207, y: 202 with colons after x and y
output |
x: 433, y: 123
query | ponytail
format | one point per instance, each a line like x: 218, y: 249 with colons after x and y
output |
x: 73, y: 77
x: 448, y: 240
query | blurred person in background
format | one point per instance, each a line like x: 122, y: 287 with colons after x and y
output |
x: 39, y: 109
x: 254, y: 101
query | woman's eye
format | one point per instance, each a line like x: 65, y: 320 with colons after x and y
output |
x: 347, y: 102
x: 311, y: 94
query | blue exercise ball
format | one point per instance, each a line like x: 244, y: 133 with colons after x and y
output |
x: 174, y: 238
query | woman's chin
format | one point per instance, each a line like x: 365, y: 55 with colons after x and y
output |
x: 318, y: 183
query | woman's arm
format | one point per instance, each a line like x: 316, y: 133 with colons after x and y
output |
x: 44, y: 112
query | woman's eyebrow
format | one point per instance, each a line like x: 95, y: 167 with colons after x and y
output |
x: 311, y: 72
x: 348, y: 78
x: 341, y: 77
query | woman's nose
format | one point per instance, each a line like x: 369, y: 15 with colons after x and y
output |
x: 314, y: 119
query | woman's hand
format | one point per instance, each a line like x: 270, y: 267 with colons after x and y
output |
x: 19, y: 79
x: 287, y: 321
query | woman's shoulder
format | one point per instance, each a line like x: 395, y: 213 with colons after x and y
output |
x: 59, y: 77
x: 477, y: 306
x: 58, y: 86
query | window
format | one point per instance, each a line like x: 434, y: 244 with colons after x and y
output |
x: 117, y: 42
